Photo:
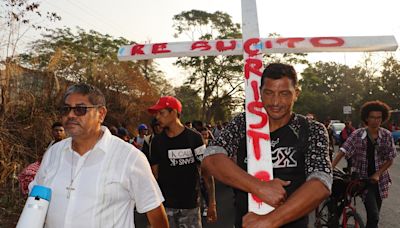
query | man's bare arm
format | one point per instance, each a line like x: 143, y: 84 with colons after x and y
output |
x: 154, y: 170
x: 212, y: 203
x: 337, y: 159
x: 225, y: 170
x: 300, y: 203
x: 158, y: 217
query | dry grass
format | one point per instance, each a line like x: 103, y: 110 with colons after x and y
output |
x: 28, y: 103
x: 20, y: 144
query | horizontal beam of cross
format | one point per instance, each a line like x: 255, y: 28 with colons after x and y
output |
x: 268, y: 45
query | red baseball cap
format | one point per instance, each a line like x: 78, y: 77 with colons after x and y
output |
x: 166, y: 102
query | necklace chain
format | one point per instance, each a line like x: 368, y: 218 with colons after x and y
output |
x: 69, y: 187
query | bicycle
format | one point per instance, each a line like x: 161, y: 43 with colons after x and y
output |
x: 339, y: 209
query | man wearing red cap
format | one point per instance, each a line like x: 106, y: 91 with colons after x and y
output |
x: 175, y: 159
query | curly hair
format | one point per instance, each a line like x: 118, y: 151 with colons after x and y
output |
x: 377, y: 106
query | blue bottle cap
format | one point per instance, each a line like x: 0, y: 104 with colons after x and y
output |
x: 41, y: 192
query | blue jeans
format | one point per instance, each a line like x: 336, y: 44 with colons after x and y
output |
x: 372, y: 203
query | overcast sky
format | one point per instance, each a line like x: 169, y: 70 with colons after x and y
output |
x: 151, y: 20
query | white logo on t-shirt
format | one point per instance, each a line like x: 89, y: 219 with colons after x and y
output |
x: 282, y: 157
x: 274, y: 142
x: 180, y: 157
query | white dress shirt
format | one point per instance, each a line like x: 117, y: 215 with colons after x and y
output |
x: 109, y: 181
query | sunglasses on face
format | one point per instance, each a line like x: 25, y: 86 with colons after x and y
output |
x: 78, y: 110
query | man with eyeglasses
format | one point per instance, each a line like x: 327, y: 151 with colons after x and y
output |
x: 96, y: 178
x: 175, y: 159
x: 372, y: 151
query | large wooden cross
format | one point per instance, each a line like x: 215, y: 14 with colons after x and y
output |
x: 252, y: 47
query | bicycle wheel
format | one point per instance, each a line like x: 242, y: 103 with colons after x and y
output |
x: 353, y: 220
x: 324, y: 216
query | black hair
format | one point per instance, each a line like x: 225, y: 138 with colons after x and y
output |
x: 202, y: 129
x: 154, y: 122
x: 56, y: 124
x: 122, y: 132
x: 278, y: 71
x: 197, y: 124
x: 96, y: 97
x: 377, y: 106
x: 113, y: 129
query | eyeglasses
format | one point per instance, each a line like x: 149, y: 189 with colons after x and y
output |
x: 375, y: 117
x: 78, y: 110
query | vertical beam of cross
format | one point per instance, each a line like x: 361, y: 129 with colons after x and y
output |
x: 257, y: 127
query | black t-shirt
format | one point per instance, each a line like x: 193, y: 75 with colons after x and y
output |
x: 370, y: 157
x: 146, y: 148
x: 178, y: 167
x: 288, y: 164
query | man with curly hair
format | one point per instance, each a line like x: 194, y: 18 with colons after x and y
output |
x: 372, y: 151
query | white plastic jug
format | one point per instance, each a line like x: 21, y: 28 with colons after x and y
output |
x: 35, y: 210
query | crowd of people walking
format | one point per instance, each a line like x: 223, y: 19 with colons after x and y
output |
x: 99, y: 175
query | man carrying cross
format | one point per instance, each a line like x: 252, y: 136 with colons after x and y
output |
x: 301, y: 164
x: 260, y: 164
x: 96, y: 178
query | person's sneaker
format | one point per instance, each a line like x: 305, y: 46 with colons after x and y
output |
x: 205, y: 212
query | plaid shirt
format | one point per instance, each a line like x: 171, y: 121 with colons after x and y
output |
x: 355, y: 148
x: 27, y: 175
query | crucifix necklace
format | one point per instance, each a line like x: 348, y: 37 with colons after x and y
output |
x: 69, y: 187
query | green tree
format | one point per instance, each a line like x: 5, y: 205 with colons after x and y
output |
x: 327, y: 87
x: 390, y: 81
x: 216, y: 78
x: 372, y: 88
x: 191, y: 103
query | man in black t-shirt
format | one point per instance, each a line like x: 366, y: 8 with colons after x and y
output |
x: 175, y: 159
x: 157, y: 129
x: 301, y: 164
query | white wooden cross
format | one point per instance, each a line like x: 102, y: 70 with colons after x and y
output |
x: 252, y: 47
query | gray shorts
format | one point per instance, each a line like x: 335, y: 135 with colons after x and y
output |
x: 184, y: 218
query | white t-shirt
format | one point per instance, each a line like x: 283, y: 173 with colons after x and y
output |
x: 140, y: 141
x: 115, y: 178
